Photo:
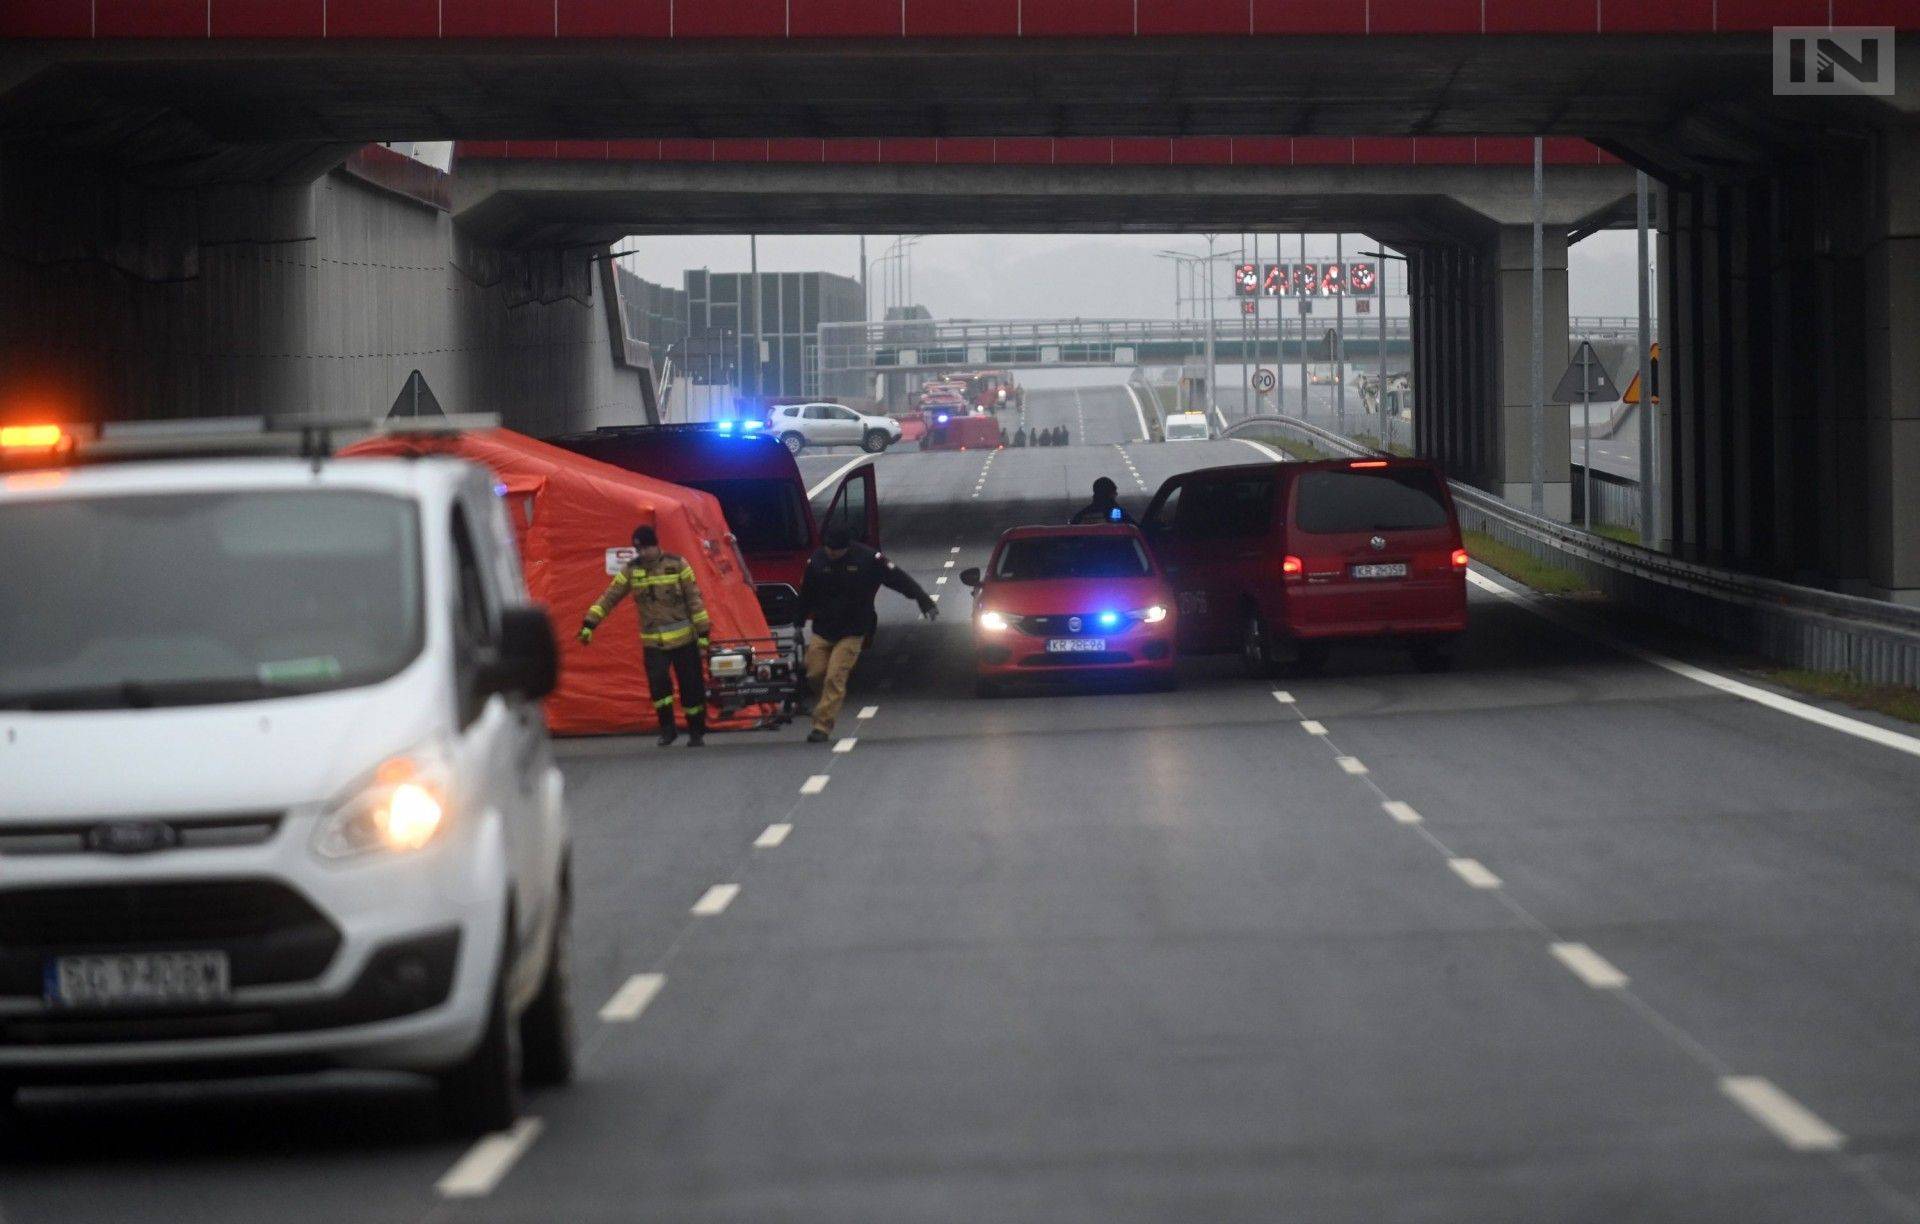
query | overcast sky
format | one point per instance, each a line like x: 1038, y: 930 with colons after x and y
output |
x: 1026, y: 276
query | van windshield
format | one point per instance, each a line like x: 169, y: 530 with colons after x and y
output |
x: 1382, y: 499
x: 1066, y: 556
x: 199, y: 598
x: 764, y: 515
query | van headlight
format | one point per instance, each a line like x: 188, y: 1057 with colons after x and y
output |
x: 401, y: 806
x: 992, y: 622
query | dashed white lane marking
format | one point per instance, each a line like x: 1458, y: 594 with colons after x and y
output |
x: 716, y: 900
x: 1883, y: 736
x: 867, y: 711
x: 1474, y: 873
x: 1791, y: 1122
x: 942, y: 578
x: 846, y: 744
x: 956, y: 548
x: 837, y: 473
x: 773, y: 835
x: 486, y: 1162
x: 632, y: 998
x: 1589, y: 966
x: 1352, y: 765
x: 949, y: 564
x: 1312, y: 728
x: 1402, y: 812
x: 1283, y: 697
x: 814, y: 785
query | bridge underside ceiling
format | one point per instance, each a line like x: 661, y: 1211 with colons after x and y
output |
x: 1624, y: 90
x: 587, y: 203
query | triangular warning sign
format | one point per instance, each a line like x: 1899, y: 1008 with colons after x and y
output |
x: 416, y: 399
x: 1585, y: 379
x: 1633, y: 387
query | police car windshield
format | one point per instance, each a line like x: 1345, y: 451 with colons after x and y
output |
x: 1066, y: 556
x: 197, y: 598
x: 764, y: 515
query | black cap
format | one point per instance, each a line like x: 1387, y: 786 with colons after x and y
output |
x: 645, y: 536
x: 836, y: 537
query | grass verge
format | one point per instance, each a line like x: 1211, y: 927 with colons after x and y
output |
x: 1522, y: 567
x: 1284, y: 443
x: 1372, y: 442
x: 1892, y: 700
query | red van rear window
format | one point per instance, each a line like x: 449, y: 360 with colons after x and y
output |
x: 1386, y: 499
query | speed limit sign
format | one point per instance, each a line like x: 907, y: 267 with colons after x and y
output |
x: 1263, y: 381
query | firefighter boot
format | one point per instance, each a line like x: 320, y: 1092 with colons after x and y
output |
x: 667, y: 732
x: 697, y: 729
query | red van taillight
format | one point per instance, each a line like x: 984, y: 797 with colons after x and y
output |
x: 1292, y: 568
x: 1460, y: 558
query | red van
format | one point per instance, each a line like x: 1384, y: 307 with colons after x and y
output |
x: 1284, y: 558
x: 756, y: 481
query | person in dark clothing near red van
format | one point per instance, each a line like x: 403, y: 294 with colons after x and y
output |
x: 837, y: 596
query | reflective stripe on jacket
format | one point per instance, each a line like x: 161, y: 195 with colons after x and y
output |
x: 667, y: 597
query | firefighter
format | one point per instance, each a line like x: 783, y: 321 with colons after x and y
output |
x: 837, y: 595
x: 1105, y: 506
x: 673, y: 630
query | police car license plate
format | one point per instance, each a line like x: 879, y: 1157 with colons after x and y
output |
x: 1074, y: 645
x: 145, y: 979
x: 1396, y: 569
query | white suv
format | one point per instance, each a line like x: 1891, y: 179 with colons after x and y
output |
x: 278, y: 790
x: 799, y: 426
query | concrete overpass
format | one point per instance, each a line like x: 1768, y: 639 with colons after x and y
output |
x: 184, y: 125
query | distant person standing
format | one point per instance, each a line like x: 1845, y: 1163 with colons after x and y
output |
x: 837, y: 596
x: 1105, y: 506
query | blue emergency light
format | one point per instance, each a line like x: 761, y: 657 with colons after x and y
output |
x: 723, y: 426
x: 940, y: 419
x: 1109, y: 619
x: 1116, y: 514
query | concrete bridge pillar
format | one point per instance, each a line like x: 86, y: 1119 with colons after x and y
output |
x: 1510, y: 267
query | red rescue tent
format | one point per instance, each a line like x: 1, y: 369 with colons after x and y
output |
x: 574, y: 517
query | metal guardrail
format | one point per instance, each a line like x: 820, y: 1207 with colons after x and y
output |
x: 1870, y: 639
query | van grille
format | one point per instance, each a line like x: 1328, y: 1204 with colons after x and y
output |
x: 185, y: 833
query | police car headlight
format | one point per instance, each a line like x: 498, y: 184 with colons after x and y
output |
x: 1151, y: 615
x: 992, y: 622
x: 402, y: 806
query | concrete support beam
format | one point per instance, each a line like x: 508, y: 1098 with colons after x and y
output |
x: 1891, y: 283
x: 1510, y: 271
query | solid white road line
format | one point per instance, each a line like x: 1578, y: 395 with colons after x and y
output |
x: 1402, y: 812
x: 1283, y: 697
x: 814, y: 785
x: 1791, y: 1122
x: 1474, y: 873
x: 772, y: 836
x: 632, y: 998
x: 1264, y: 449
x: 1589, y: 966
x: 867, y: 711
x: 838, y: 472
x: 1312, y: 728
x: 1883, y: 736
x: 1352, y: 765
x: 1139, y: 412
x: 716, y: 900
x: 486, y: 1162
x: 846, y: 744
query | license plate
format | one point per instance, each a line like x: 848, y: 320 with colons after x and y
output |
x: 1072, y: 645
x: 143, y: 979
x: 1391, y: 569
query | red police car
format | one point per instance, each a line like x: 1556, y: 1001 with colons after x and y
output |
x: 1057, y: 600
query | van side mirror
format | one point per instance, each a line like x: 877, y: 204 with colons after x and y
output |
x: 526, y: 662
x: 970, y: 577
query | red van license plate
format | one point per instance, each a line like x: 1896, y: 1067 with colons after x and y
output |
x: 1385, y: 569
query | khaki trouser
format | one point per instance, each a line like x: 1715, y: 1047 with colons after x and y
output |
x: 828, y: 666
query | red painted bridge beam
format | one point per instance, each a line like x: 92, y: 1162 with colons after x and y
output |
x: 1066, y: 151
x: 521, y: 19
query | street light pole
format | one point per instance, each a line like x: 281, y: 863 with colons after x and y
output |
x: 1649, y: 535
x: 1380, y: 394
x: 1339, y: 329
x: 1538, y: 356
x: 1213, y: 390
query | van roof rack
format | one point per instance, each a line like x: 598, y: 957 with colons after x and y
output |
x: 304, y: 436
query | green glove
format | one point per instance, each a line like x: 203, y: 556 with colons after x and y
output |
x: 586, y: 635
x: 703, y: 643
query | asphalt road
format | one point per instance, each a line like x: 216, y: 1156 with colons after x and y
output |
x: 1131, y: 956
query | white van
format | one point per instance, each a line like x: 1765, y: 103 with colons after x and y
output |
x: 277, y: 791
x: 1187, y: 427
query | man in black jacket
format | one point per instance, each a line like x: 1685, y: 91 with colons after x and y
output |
x: 837, y: 595
x: 1106, y: 500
